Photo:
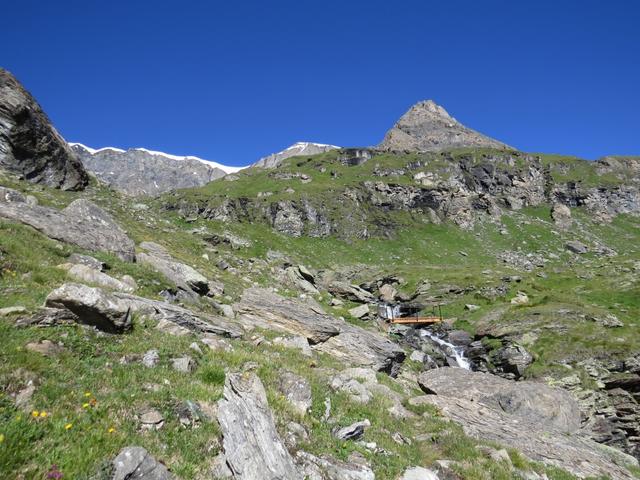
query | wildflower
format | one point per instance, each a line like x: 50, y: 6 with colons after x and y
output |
x: 93, y: 402
x: 87, y: 394
x: 85, y: 405
x: 68, y: 426
x: 1, y: 437
x: 43, y: 414
x: 54, y: 473
x: 35, y: 414
x: 111, y: 430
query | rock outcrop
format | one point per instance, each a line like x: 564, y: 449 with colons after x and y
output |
x: 538, y: 420
x: 263, y: 308
x: 253, y: 450
x: 185, y: 277
x: 427, y: 127
x: 81, y: 223
x: 138, y: 171
x: 112, y: 311
x: 29, y: 145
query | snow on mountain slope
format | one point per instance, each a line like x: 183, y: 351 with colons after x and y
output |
x: 298, y: 148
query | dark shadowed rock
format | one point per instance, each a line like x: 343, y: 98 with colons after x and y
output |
x: 82, y: 223
x: 252, y: 447
x: 29, y: 145
x: 427, y: 126
x: 135, y: 463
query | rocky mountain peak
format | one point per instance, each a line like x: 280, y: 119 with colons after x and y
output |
x: 427, y: 126
x: 29, y: 145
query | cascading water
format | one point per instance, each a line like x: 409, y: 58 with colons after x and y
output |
x: 458, y: 352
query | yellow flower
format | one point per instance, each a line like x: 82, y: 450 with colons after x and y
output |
x: 1, y: 437
x: 68, y: 426
x: 87, y: 394
x: 18, y: 418
x: 35, y: 414
x: 43, y: 414
x: 85, y: 405
x: 111, y: 430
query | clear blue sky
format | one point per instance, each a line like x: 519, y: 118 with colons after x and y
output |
x: 232, y: 81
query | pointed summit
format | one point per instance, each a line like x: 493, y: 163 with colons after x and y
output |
x: 428, y: 127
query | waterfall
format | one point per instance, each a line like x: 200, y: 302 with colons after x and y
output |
x: 458, y: 352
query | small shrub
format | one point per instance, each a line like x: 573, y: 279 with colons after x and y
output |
x: 212, y: 375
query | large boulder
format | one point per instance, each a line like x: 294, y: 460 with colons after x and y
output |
x: 92, y: 306
x: 357, y: 346
x: 135, y: 463
x: 112, y: 312
x: 82, y: 223
x: 350, y: 292
x: 84, y: 273
x: 253, y: 450
x: 29, y: 145
x: 540, y: 421
x: 186, y: 278
x: 263, y: 308
x: 327, y: 468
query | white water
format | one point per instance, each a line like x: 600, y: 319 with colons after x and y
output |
x: 458, y: 352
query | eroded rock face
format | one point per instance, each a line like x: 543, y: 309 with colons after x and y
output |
x: 427, y: 126
x: 538, y: 420
x: 81, y: 223
x: 253, y: 450
x: 29, y: 145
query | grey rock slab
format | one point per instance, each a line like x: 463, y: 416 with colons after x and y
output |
x: 576, y: 246
x: 550, y: 406
x: 135, y: 463
x: 297, y: 391
x: 84, y: 273
x: 353, y: 293
x: 360, y: 347
x: 251, y: 444
x: 540, y: 421
x: 151, y: 358
x: 79, y: 259
x: 327, y: 468
x: 183, y: 276
x: 419, y: 473
x: 92, y: 306
x: 263, y: 308
x: 81, y: 223
x: 353, y: 431
x: 6, y: 311
x: 360, y: 311
x: 183, y: 364
x: 29, y: 145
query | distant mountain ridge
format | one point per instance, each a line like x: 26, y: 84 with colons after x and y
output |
x: 139, y: 171
x: 298, y: 148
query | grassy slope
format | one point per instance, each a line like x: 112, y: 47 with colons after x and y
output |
x: 91, y: 362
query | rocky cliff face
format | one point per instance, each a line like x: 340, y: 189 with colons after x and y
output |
x: 435, y: 188
x: 29, y: 145
x: 142, y: 172
x: 299, y: 148
x: 428, y: 127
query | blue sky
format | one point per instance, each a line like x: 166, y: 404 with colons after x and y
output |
x: 233, y: 81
